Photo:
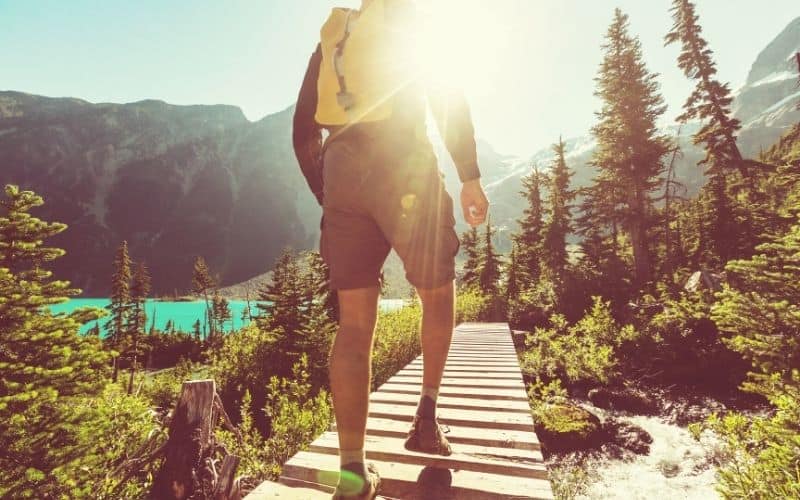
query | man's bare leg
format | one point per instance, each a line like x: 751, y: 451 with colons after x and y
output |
x: 438, y: 320
x: 350, y: 376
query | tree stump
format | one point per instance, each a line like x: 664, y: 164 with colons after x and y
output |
x: 185, y: 472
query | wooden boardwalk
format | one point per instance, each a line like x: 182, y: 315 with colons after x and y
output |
x: 495, y: 451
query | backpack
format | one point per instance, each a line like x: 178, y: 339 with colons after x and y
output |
x: 361, y: 67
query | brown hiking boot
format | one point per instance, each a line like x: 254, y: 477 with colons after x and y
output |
x: 427, y: 436
x: 353, y: 486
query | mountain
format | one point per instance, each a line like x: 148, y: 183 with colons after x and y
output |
x: 174, y: 181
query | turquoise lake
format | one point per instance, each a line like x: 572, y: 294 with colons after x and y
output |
x: 183, y: 314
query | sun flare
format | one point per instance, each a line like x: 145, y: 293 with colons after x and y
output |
x: 456, y: 40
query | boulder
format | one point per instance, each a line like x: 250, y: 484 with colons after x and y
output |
x: 566, y: 427
x: 623, y: 400
x: 629, y: 436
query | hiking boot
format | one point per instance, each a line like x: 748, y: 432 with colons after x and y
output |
x: 427, y: 436
x: 353, y: 486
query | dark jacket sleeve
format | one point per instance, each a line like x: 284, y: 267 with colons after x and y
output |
x: 306, y: 133
x: 451, y: 112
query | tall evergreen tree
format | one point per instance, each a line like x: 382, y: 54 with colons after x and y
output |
x: 490, y: 263
x: 560, y: 222
x: 46, y: 367
x: 472, y: 264
x: 630, y: 149
x: 118, y: 326
x: 140, y: 289
x: 512, y: 277
x: 711, y: 100
x: 202, y: 284
x: 222, y: 311
x: 283, y: 301
x: 531, y: 228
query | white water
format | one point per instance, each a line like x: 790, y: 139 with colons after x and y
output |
x: 676, y: 468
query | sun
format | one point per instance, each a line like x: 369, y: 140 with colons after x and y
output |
x: 456, y: 41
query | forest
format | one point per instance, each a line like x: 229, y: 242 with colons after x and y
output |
x: 664, y: 295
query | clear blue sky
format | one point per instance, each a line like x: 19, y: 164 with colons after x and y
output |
x: 534, y: 60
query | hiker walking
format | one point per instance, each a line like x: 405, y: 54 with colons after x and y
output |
x: 377, y: 179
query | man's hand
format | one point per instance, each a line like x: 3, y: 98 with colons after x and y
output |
x: 474, y: 202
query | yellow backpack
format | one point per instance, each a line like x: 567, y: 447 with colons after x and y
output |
x: 360, y: 70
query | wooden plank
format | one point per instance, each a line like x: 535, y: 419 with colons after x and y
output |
x: 401, y: 480
x: 508, y: 438
x: 453, y: 402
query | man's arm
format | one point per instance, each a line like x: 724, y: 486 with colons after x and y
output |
x: 306, y: 133
x: 451, y: 112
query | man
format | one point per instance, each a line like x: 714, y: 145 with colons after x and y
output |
x: 379, y: 185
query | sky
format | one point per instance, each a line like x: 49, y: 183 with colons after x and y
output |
x: 527, y: 66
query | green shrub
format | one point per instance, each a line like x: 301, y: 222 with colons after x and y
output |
x: 161, y: 389
x: 471, y: 305
x: 583, y: 352
x: 297, y: 417
x: 759, y: 457
x: 396, y: 342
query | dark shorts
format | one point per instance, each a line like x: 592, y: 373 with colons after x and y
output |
x: 380, y: 196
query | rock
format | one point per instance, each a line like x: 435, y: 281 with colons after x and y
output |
x: 622, y: 399
x: 566, y: 427
x: 669, y: 468
x: 629, y: 436
x: 704, y: 280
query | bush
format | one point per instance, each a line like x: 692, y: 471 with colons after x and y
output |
x: 396, y: 342
x: 471, y: 305
x: 760, y: 457
x: 584, y: 352
x: 161, y: 389
x: 297, y: 418
x: 682, y: 345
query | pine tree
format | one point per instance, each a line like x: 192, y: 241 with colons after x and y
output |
x: 221, y: 311
x: 531, y: 229
x: 45, y: 365
x: 472, y: 264
x: 761, y: 309
x: 512, y: 277
x: 630, y: 148
x: 118, y: 326
x: 202, y: 284
x: 560, y: 221
x: 711, y: 100
x: 283, y: 301
x: 140, y: 289
x: 196, y: 330
x: 490, y: 263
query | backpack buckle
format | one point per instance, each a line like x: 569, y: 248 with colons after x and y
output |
x: 346, y: 100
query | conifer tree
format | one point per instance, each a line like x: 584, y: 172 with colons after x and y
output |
x: 630, y: 148
x: 202, y: 284
x: 472, y: 264
x: 512, y: 277
x: 490, y: 263
x: 45, y: 365
x: 531, y: 229
x: 283, y: 300
x: 196, y: 330
x: 140, y: 289
x: 221, y: 311
x: 711, y: 100
x: 118, y: 326
x: 560, y: 221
